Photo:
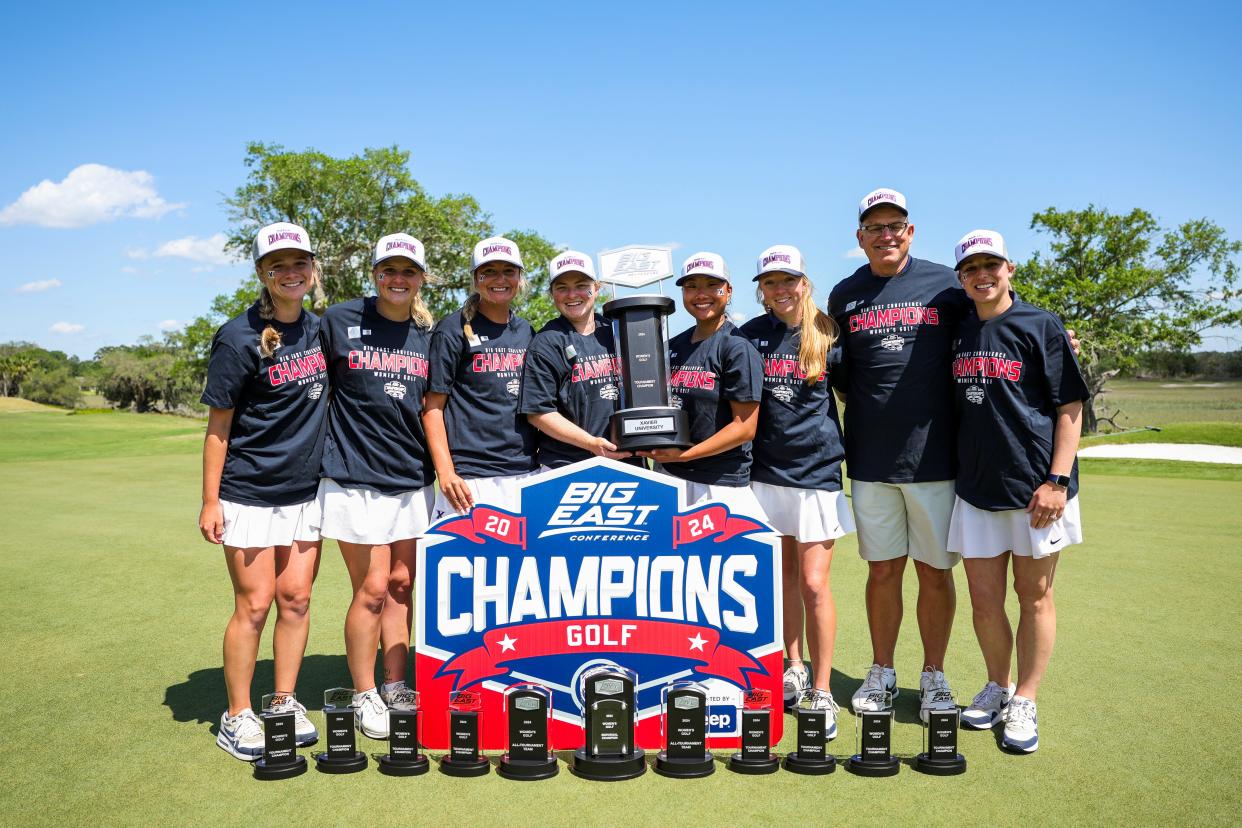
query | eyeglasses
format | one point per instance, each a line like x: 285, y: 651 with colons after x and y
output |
x: 896, y: 228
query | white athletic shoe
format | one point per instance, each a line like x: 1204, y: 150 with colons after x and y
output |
x: 400, y: 698
x: 934, y: 693
x: 1021, y: 726
x: 878, y: 690
x: 371, y: 714
x: 988, y: 707
x: 797, y: 681
x: 241, y: 735
x: 815, y: 699
x: 303, y: 729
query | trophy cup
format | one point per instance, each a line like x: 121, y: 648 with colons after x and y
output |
x: 280, y: 758
x: 756, y: 755
x: 609, y: 754
x: 811, y: 756
x: 875, y: 756
x: 464, y: 758
x: 684, y: 720
x: 342, y: 755
x: 528, y: 708
x: 403, y: 758
x: 645, y: 419
x: 940, y: 756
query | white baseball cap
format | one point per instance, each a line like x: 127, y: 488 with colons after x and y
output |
x: 704, y: 263
x: 496, y: 249
x: 570, y: 261
x: 881, y: 197
x: 978, y: 242
x: 282, y: 235
x: 399, y: 244
x: 783, y: 257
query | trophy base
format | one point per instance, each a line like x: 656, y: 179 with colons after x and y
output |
x: 940, y: 767
x: 872, y: 767
x: 401, y: 766
x: 341, y: 762
x: 528, y: 770
x: 463, y: 767
x: 685, y: 768
x: 282, y: 770
x: 817, y: 766
x: 643, y: 429
x: 609, y: 768
x: 740, y: 764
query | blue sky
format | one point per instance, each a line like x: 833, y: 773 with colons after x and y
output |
x: 715, y: 126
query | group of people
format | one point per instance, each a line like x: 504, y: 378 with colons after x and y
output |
x: 961, y: 427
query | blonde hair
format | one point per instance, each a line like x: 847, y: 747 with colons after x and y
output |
x: 270, y: 340
x: 471, y: 306
x: 817, y: 336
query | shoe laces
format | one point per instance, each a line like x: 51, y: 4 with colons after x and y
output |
x: 935, y: 680
x: 246, y: 724
x: 371, y: 699
x: 1021, y: 714
x: 990, y: 696
x: 820, y: 700
x: 875, y: 679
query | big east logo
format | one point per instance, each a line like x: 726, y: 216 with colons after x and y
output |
x: 603, y: 563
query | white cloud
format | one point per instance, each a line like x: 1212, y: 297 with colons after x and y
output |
x: 169, y: 325
x: 737, y: 317
x: 855, y: 253
x: 39, y: 286
x: 209, y: 250
x: 67, y: 328
x: 90, y: 194
x: 128, y: 269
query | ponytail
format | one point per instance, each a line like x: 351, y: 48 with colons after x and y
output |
x: 269, y: 340
x: 818, y: 335
x: 468, y: 311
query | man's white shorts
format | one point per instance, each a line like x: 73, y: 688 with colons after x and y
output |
x: 808, y: 515
x: 258, y: 527
x: 501, y: 492
x: 356, y: 515
x: 899, y: 519
x: 978, y: 533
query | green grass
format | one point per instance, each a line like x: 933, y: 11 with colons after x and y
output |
x: 1212, y: 433
x: 114, y: 609
x: 1164, y: 402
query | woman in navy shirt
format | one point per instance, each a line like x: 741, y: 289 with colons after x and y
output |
x: 377, y: 487
x: 1018, y: 395
x: 267, y: 392
x: 796, y: 474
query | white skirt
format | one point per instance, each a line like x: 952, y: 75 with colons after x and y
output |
x: 808, y: 515
x: 978, y: 533
x: 739, y: 499
x: 373, y: 519
x: 501, y: 492
x: 258, y: 527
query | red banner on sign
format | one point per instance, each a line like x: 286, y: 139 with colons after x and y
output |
x: 486, y: 522
x: 710, y: 522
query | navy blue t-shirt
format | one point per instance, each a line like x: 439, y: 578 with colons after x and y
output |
x: 379, y: 373
x: 798, y: 442
x: 280, y: 406
x: 897, y: 340
x: 704, y: 377
x: 574, y: 375
x: 1010, y: 374
x: 487, y: 436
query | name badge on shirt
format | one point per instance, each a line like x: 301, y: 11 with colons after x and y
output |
x: 353, y: 332
x: 570, y: 352
x: 474, y: 341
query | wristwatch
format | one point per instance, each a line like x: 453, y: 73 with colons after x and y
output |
x: 1058, y: 480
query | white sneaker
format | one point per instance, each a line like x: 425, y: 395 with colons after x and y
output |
x: 400, y: 698
x: 797, y: 680
x: 988, y: 707
x: 815, y: 699
x: 934, y: 693
x: 878, y: 690
x: 304, y: 731
x: 371, y: 714
x: 1021, y: 726
x: 241, y: 735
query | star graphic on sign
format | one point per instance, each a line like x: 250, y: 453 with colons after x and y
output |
x: 507, y: 643
x: 697, y: 642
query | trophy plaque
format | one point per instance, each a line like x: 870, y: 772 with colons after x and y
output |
x: 811, y: 756
x: 528, y: 710
x: 464, y: 758
x: 684, y: 719
x: 875, y: 755
x: 609, y: 754
x: 342, y: 755
x: 756, y: 755
x: 940, y: 756
x: 403, y: 757
x: 280, y: 758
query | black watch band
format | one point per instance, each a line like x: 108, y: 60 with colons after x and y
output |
x: 1058, y: 480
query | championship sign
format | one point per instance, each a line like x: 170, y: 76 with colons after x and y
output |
x: 603, y: 564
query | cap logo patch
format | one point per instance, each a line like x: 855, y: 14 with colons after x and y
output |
x: 405, y: 245
x: 777, y: 257
x: 289, y: 235
x: 973, y: 240
x: 497, y: 248
x: 880, y: 197
x: 707, y: 263
x: 570, y: 260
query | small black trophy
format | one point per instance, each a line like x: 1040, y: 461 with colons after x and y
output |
x: 685, y: 754
x: 280, y: 758
x: 465, y: 719
x: 940, y: 756
x: 811, y: 756
x: 528, y: 708
x: 875, y: 755
x: 609, y: 754
x: 756, y: 755
x: 403, y: 758
x: 342, y: 755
